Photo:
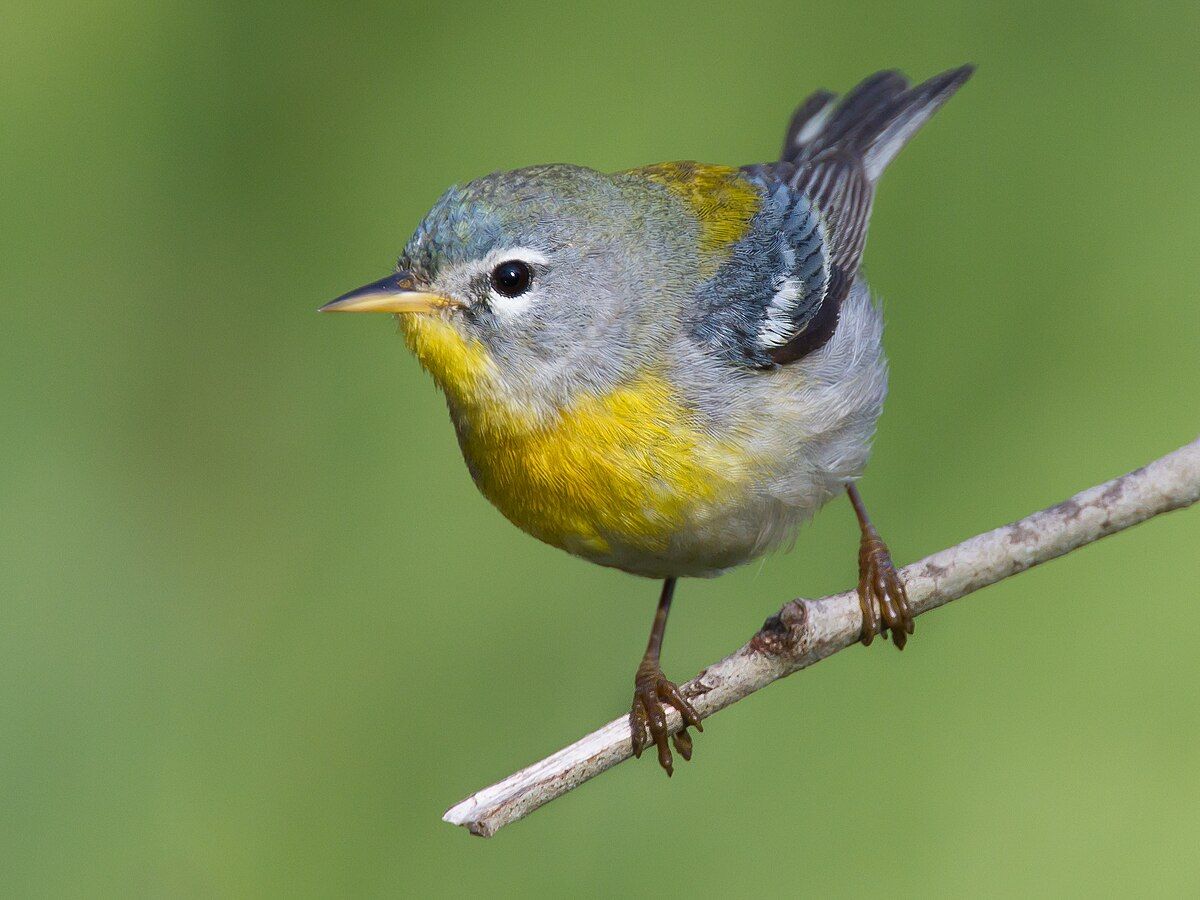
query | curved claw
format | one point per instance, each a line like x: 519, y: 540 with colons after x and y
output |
x: 648, y: 719
x: 683, y: 744
x: 669, y: 692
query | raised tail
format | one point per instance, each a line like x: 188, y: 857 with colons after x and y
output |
x: 873, y: 122
x: 833, y: 154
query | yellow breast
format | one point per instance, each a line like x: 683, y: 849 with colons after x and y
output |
x: 633, y: 465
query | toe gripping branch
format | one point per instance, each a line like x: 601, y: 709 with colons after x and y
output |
x: 881, y: 594
x: 648, y: 719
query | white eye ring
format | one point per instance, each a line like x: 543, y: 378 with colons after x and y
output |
x: 505, y: 304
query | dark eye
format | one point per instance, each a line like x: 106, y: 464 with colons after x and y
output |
x: 512, y: 278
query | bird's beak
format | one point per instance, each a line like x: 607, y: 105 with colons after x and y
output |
x: 395, y: 294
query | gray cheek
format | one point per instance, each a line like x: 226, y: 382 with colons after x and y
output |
x: 556, y: 349
x: 481, y: 323
x: 537, y: 336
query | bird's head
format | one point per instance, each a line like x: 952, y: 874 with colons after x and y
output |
x: 530, y: 287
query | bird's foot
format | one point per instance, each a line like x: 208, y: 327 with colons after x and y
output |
x: 651, y: 688
x: 881, y: 593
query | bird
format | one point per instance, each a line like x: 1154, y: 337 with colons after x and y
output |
x: 667, y: 370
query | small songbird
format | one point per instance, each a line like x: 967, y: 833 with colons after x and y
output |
x: 668, y: 369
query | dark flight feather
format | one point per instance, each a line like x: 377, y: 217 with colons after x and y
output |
x: 834, y: 155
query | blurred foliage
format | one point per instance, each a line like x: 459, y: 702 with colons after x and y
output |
x: 258, y: 629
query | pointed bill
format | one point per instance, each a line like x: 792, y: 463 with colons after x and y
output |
x: 394, y: 294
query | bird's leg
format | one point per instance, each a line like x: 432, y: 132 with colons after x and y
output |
x: 651, y: 688
x: 880, y: 591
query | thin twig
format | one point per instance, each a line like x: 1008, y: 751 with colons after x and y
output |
x: 806, y: 631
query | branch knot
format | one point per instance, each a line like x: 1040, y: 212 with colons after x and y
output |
x: 784, y: 634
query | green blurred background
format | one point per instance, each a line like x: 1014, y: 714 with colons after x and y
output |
x: 257, y: 628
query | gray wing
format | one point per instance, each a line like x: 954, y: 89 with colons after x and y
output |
x: 777, y: 297
x: 772, y: 286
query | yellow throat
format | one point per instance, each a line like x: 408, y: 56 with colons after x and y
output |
x: 633, y: 465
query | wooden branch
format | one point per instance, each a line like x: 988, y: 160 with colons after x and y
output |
x: 806, y: 631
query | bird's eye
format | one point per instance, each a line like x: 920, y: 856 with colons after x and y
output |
x: 512, y: 278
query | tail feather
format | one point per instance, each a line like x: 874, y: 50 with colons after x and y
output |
x: 911, y: 110
x: 873, y: 122
x: 835, y: 152
x: 810, y: 117
x: 864, y: 110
